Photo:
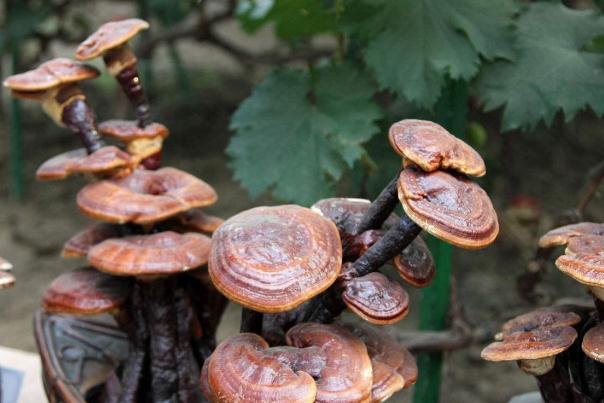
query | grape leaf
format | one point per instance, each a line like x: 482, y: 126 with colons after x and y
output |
x: 293, y: 19
x: 415, y: 44
x: 297, y: 133
x: 553, y: 71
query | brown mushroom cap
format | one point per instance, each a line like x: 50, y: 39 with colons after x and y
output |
x: 585, y: 268
x: 586, y: 244
x: 593, y: 343
x: 50, y: 74
x: 5, y: 265
x: 198, y: 221
x: 347, y: 374
x: 385, y: 381
x: 384, y: 348
x: 109, y: 35
x: 451, y: 208
x: 241, y: 370
x: 79, y: 244
x: 432, y: 147
x: 104, y: 160
x: 539, y: 319
x: 145, y: 196
x: 157, y: 254
x: 376, y: 298
x: 86, y: 291
x: 7, y: 280
x: 560, y: 236
x: 272, y: 259
x: 415, y: 264
x: 536, y: 344
x: 128, y: 130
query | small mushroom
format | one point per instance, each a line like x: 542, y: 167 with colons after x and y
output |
x: 431, y: 147
x: 272, y: 259
x: 347, y: 374
x: 150, y: 255
x: 197, y: 221
x: 108, y: 160
x: 415, y: 264
x: 144, y: 196
x: 111, y: 42
x: 86, y: 291
x: 537, y: 319
x: 143, y: 142
x: 54, y: 83
x: 79, y: 244
x: 241, y: 370
x: 451, y: 208
x: 376, y: 298
x: 561, y: 236
x: 593, y: 343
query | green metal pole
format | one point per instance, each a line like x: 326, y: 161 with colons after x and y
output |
x: 450, y: 112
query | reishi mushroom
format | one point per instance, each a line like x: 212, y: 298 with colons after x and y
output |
x: 79, y: 244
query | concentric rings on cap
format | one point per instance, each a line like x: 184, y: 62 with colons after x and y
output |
x: 415, y: 264
x: 451, y: 208
x: 561, y: 235
x: 272, y: 259
x: 535, y: 344
x: 103, y: 161
x: 51, y: 74
x: 593, y: 343
x: 431, y: 147
x: 109, y: 35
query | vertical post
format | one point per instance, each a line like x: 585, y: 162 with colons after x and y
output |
x: 450, y: 111
x: 15, y: 123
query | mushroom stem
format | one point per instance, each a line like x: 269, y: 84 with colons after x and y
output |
x: 552, y: 378
x: 380, y: 208
x: 121, y: 63
x: 138, y: 334
x: 158, y: 300
x: 251, y: 321
x: 593, y: 374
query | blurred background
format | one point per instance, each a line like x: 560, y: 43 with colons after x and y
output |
x: 290, y: 101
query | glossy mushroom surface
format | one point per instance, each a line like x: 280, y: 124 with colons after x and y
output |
x: 585, y: 245
x: 531, y: 345
x: 560, y: 236
x: 109, y: 35
x: 50, y: 74
x: 105, y: 160
x: 432, y: 147
x: 347, y: 374
x: 79, y: 244
x: 144, y: 196
x: 86, y: 291
x: 198, y: 221
x: 585, y: 268
x: 376, y: 298
x: 240, y: 370
x: 451, y: 208
x: 415, y: 264
x: 272, y: 259
x: 593, y: 343
x: 156, y: 254
x: 538, y: 319
x: 128, y: 130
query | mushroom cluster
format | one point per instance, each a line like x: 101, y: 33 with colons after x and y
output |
x: 147, y: 254
x: 294, y: 270
x: 563, y: 346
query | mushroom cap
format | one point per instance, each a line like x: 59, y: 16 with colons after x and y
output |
x: 452, y: 208
x: 586, y: 268
x: 5, y: 265
x: 109, y: 35
x: 376, y: 298
x: 144, y: 196
x: 561, y: 236
x: 384, y: 348
x: 586, y: 244
x: 241, y: 370
x: 7, y: 280
x: 79, y: 244
x: 432, y: 147
x: 593, y: 343
x: 51, y: 74
x: 415, y: 264
x: 162, y: 253
x: 530, y: 345
x: 128, y: 130
x: 197, y: 220
x: 385, y: 381
x: 86, y: 291
x: 347, y: 374
x: 539, y: 319
x: 104, y: 160
x: 272, y: 259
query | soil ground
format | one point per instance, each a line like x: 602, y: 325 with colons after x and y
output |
x: 548, y: 167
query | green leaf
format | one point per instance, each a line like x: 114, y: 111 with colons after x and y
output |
x: 297, y: 134
x: 552, y: 73
x: 414, y: 44
x: 293, y: 19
